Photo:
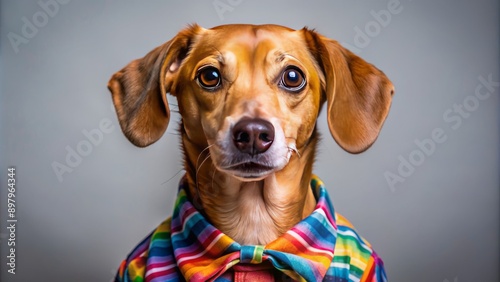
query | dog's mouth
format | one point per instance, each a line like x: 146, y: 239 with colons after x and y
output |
x: 250, y: 170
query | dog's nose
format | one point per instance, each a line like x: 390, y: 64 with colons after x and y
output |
x: 253, y: 136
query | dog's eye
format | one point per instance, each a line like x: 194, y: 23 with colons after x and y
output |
x: 293, y: 79
x: 209, y: 78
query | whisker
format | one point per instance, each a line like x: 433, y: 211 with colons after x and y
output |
x: 213, y: 176
x: 172, y: 177
x: 293, y: 149
x: 198, y: 169
x: 199, y: 156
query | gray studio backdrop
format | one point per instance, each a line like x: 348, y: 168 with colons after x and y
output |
x: 426, y: 195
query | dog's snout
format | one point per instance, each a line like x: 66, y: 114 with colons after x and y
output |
x: 253, y: 136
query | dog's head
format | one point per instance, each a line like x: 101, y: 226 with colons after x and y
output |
x: 252, y: 94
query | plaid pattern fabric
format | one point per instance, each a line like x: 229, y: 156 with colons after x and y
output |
x: 322, y: 247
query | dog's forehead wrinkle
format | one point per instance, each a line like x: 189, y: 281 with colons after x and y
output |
x: 220, y: 58
x: 280, y: 56
x: 228, y: 58
x: 208, y: 51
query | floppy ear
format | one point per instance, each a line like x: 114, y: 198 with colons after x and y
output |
x: 358, y: 94
x: 139, y: 89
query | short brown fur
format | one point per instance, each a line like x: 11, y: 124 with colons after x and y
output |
x: 251, y: 59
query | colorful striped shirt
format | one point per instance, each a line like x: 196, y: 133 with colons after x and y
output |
x: 322, y: 247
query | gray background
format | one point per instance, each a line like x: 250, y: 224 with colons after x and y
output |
x: 440, y: 224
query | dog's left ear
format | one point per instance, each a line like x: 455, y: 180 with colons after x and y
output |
x: 358, y: 94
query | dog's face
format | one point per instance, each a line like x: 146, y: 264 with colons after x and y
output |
x: 252, y: 94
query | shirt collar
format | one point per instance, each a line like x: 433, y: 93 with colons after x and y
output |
x: 199, y: 247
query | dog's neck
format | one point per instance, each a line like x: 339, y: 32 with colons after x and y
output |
x: 251, y: 213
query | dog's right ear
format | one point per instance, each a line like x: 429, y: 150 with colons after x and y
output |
x: 139, y: 89
x: 358, y: 95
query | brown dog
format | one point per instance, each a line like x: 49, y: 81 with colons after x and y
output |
x: 249, y: 97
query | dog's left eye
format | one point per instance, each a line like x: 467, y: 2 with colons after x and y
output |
x: 292, y: 79
x: 209, y: 78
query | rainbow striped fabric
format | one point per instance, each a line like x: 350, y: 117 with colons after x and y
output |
x: 322, y: 247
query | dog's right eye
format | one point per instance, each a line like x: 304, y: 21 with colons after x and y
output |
x: 209, y: 78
